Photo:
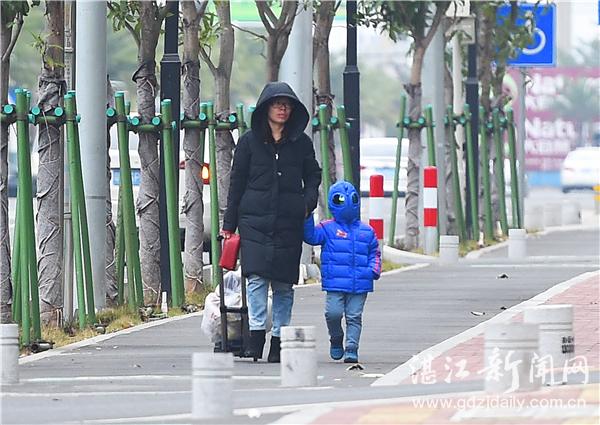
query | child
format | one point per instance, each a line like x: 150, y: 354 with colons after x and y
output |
x: 350, y: 261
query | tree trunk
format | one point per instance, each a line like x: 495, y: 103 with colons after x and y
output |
x: 324, y: 21
x: 486, y: 57
x: 224, y: 139
x: 109, y: 275
x: 414, y: 91
x: 5, y: 269
x: 147, y: 202
x: 272, y: 64
x: 450, y: 200
x: 193, y: 205
x: 51, y: 89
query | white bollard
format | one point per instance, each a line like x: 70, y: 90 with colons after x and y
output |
x: 509, y: 353
x: 534, y: 217
x: 552, y: 214
x: 571, y: 213
x: 557, y: 341
x: 298, y: 356
x: 448, y: 249
x: 517, y: 243
x: 212, y: 385
x: 9, y: 353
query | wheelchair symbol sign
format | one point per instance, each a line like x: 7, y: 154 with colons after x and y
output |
x: 542, y: 51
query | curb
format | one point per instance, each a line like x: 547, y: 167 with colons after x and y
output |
x: 100, y: 338
x: 403, y: 371
x: 568, y: 228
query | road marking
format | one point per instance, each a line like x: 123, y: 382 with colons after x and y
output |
x: 405, y: 370
x: 141, y: 378
x: 91, y: 394
x: 538, y: 412
x: 534, y: 265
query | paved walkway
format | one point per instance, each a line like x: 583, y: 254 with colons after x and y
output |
x: 143, y: 375
x: 576, y: 403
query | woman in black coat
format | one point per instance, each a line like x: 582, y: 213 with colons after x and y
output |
x: 274, y: 185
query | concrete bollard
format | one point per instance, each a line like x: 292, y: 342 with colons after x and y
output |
x: 534, y: 217
x: 212, y: 385
x: 509, y: 353
x: 517, y: 243
x: 552, y: 214
x: 9, y: 353
x: 298, y: 356
x: 448, y: 249
x: 571, y: 213
x: 556, y: 339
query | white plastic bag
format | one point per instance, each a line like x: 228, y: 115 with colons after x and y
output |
x: 211, y: 318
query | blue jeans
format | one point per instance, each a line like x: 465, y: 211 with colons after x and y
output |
x: 347, y: 305
x: 283, y: 300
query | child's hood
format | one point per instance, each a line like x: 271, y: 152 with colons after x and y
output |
x: 344, y: 202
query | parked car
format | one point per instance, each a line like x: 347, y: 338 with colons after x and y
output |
x: 581, y: 169
x: 378, y: 156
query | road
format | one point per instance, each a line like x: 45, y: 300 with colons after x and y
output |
x: 146, y: 374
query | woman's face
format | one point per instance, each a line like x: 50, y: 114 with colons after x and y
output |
x: 280, y: 110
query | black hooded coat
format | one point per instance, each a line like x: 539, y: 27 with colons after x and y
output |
x: 272, y: 188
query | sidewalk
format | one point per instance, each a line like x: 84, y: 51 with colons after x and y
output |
x: 143, y: 375
x: 576, y: 403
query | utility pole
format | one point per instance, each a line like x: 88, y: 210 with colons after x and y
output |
x: 297, y: 70
x: 170, y: 85
x: 70, y: 29
x: 352, y: 91
x: 297, y: 63
x: 472, y: 91
x: 90, y: 83
x: 433, y: 93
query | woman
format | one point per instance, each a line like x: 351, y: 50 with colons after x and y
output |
x: 274, y: 186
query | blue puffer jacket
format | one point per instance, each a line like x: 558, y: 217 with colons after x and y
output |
x: 350, y: 257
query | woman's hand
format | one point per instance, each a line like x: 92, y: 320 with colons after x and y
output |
x: 226, y: 234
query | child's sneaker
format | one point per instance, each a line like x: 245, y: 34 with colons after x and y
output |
x: 351, y: 356
x: 336, y: 349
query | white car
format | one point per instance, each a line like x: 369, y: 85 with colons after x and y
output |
x: 581, y: 169
x: 378, y: 156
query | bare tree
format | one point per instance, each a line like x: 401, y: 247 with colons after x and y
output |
x: 417, y: 20
x: 193, y: 205
x: 222, y: 75
x: 11, y: 21
x: 278, y: 32
x: 52, y: 87
x: 147, y: 18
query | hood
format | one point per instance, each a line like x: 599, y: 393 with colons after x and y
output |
x: 349, y: 210
x: 298, y: 119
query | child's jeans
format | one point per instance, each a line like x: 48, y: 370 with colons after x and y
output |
x: 283, y: 300
x: 350, y: 306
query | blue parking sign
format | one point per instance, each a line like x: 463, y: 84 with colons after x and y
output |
x: 542, y: 52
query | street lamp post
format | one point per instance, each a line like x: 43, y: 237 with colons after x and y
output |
x: 472, y: 97
x: 170, y: 84
x: 352, y: 91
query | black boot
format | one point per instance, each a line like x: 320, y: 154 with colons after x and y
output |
x: 275, y: 350
x: 255, y: 345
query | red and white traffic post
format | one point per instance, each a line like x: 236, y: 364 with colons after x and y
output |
x: 430, y: 209
x: 376, y: 205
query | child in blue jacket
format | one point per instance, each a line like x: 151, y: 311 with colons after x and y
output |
x: 350, y: 261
